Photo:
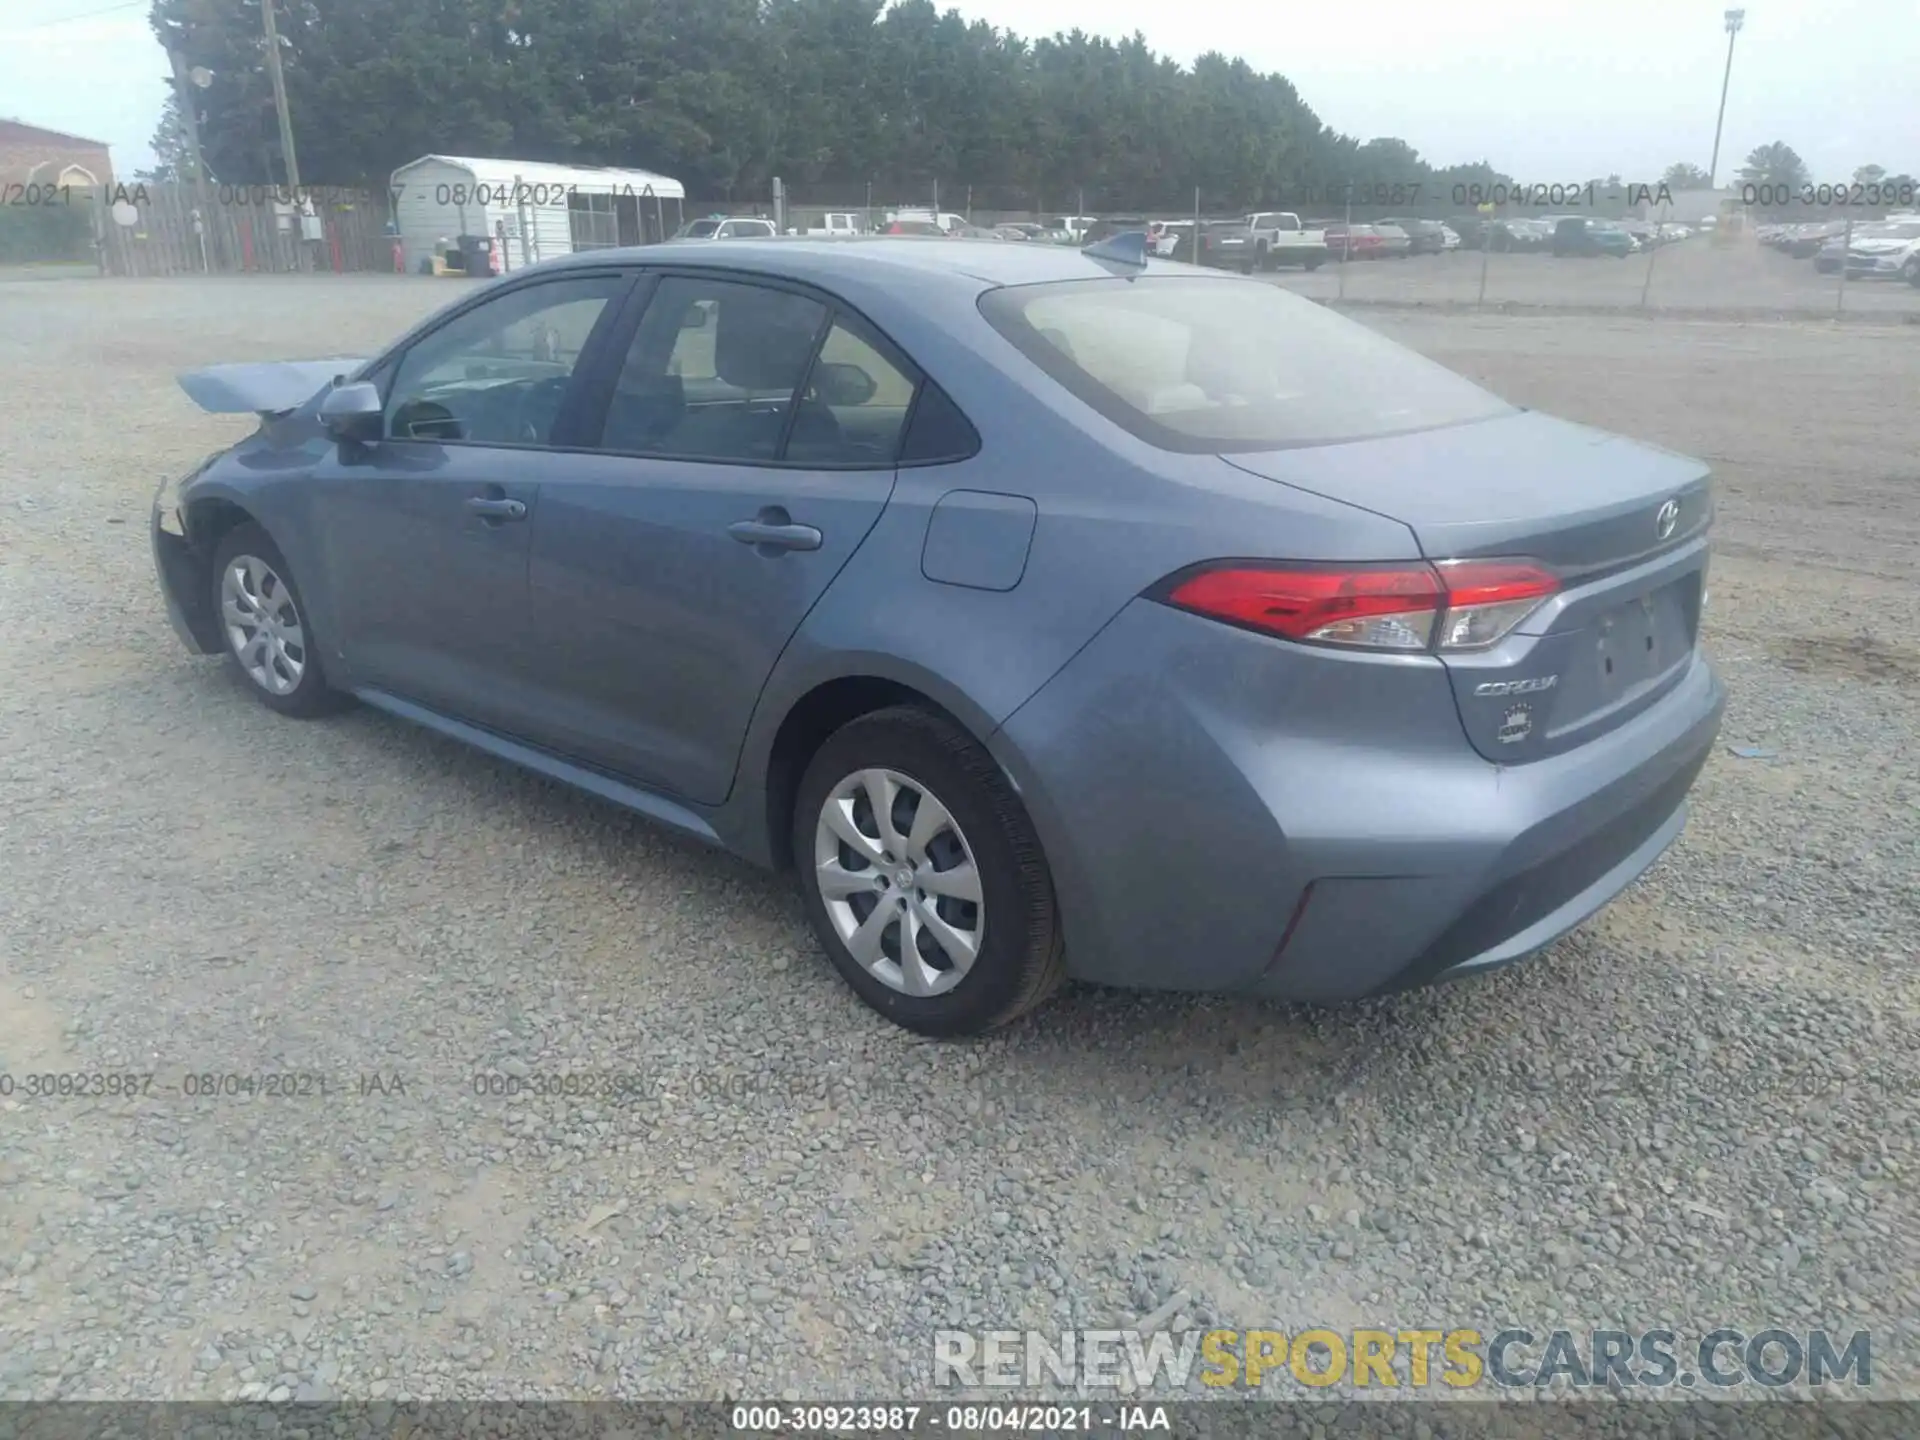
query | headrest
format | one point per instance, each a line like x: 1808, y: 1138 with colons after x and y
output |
x: 763, y: 343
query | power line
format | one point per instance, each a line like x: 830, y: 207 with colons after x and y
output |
x: 83, y: 15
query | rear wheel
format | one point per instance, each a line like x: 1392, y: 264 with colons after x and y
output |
x: 923, y: 876
x: 269, y: 637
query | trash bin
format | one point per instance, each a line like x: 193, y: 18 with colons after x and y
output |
x: 476, y: 255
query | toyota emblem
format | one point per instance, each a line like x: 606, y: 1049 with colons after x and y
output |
x: 1667, y: 517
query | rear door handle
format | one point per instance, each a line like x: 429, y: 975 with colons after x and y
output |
x: 773, y: 531
x: 491, y: 509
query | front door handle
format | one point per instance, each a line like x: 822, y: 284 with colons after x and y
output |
x: 491, y: 509
x: 773, y: 531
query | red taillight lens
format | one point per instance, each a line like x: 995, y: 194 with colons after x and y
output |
x: 1457, y: 605
x: 1382, y: 607
x: 1487, y: 598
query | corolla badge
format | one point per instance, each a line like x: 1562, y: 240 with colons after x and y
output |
x: 1666, y: 518
x: 1530, y: 686
x: 1516, y: 725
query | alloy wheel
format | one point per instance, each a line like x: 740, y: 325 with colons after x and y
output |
x: 263, y: 625
x: 899, y: 882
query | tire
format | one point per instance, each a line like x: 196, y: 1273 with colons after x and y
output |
x: 1911, y: 271
x: 283, y: 672
x: 919, y: 756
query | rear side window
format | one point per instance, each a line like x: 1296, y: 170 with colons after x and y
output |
x: 1221, y: 366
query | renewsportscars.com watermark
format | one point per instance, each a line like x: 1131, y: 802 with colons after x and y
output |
x: 1456, y: 1359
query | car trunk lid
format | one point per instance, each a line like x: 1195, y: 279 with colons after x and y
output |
x: 1623, y: 525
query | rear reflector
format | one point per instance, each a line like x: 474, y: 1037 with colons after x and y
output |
x: 1456, y: 605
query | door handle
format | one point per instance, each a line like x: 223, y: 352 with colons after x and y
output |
x: 491, y: 509
x: 774, y: 531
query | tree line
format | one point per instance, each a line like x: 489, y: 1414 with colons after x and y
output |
x: 833, y: 96
x: 724, y: 95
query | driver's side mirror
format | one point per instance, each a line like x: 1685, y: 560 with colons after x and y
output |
x: 353, y: 412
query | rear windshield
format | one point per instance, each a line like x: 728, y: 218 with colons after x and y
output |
x: 1204, y: 365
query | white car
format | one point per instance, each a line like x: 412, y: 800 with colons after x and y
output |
x: 1886, y: 251
x: 727, y: 227
x: 1449, y: 237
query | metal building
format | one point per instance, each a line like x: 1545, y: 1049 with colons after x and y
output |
x: 534, y: 210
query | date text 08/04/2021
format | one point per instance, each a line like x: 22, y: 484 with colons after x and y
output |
x: 967, y: 1419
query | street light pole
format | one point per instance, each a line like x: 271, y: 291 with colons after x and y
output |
x: 1734, y: 19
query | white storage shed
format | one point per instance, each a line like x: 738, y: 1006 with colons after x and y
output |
x: 535, y: 210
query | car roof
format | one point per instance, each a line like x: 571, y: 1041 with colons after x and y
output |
x: 901, y: 263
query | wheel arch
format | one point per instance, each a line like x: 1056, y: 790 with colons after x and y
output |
x: 824, y: 707
x: 186, y: 562
x: 210, y: 518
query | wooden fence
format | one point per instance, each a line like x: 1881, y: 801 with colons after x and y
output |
x: 184, y: 229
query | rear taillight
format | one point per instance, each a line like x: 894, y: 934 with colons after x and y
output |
x: 1455, y: 605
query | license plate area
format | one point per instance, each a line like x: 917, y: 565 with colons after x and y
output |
x: 1639, y: 640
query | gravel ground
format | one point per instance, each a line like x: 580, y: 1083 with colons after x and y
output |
x: 1700, y: 1109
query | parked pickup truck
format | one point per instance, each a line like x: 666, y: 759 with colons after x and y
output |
x: 1280, y: 239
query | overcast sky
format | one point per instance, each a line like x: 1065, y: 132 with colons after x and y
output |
x: 1548, y: 90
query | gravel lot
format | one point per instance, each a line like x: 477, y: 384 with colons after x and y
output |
x: 1690, y: 277
x: 1701, y: 1109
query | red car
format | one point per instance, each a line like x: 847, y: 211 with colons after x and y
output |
x: 1355, y: 242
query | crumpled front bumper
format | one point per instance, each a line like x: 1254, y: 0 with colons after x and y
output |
x: 185, y: 587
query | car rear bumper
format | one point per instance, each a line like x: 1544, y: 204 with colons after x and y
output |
x: 1223, y: 812
x: 183, y: 585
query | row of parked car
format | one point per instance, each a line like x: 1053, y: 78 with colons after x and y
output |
x: 1264, y: 240
x: 1886, y: 249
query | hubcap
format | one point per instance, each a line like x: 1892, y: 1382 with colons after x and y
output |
x: 899, y: 882
x: 263, y: 626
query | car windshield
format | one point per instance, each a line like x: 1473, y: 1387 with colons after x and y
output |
x: 700, y: 229
x: 1222, y: 366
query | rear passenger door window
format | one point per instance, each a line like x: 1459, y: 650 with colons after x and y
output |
x: 714, y: 371
x: 854, y: 406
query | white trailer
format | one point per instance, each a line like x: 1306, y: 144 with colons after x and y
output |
x: 534, y: 210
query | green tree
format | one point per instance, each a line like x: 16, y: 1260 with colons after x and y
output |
x: 1869, y: 174
x: 1682, y: 176
x: 1775, y: 164
x: 830, y: 95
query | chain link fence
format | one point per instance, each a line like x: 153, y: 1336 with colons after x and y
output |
x: 1663, y: 255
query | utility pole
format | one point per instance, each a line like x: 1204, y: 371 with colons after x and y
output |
x: 1734, y: 19
x: 280, y: 97
x: 291, y: 165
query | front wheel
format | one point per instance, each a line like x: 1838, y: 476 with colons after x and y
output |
x: 268, y: 631
x: 923, y: 877
x: 1911, y: 271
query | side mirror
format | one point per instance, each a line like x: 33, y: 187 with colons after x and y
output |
x: 353, y: 412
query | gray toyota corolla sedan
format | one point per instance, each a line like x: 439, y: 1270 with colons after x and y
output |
x: 1051, y: 612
